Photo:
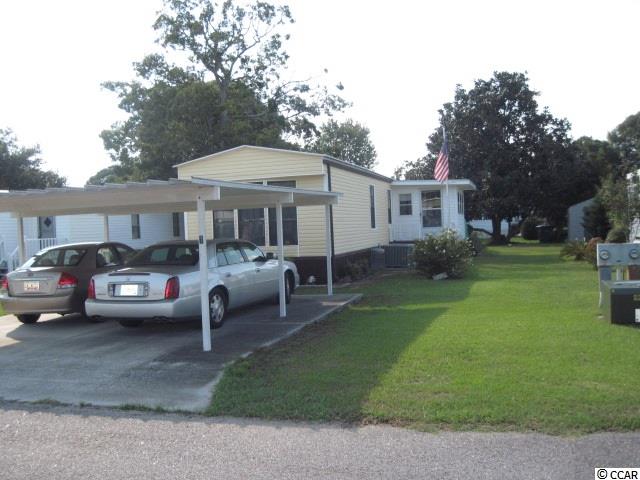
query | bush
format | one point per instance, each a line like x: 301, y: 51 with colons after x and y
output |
x: 575, y: 249
x: 591, y: 250
x: 528, y: 228
x: 618, y: 235
x: 443, y: 253
x: 356, y: 269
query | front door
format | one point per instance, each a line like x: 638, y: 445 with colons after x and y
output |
x: 46, y: 227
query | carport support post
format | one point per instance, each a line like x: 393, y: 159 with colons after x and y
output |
x: 22, y: 250
x: 281, y: 286
x: 204, y: 277
x: 327, y: 241
x: 105, y: 226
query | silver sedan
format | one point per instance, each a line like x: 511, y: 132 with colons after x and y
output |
x: 163, y: 282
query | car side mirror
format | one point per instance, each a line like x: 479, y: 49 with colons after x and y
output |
x: 271, y: 256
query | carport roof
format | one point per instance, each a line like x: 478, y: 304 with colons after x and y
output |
x: 156, y: 196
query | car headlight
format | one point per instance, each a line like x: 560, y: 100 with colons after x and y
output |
x: 604, y: 254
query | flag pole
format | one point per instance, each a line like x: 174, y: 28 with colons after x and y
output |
x: 446, y: 185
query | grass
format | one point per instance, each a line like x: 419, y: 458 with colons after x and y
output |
x: 518, y: 346
x: 1, y: 311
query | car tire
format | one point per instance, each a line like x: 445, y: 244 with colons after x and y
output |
x: 218, y: 302
x: 131, y: 323
x: 83, y: 314
x: 28, y: 318
x: 288, y: 288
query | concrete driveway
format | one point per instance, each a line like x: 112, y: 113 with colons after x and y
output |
x: 70, y: 360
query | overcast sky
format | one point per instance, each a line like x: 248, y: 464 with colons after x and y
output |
x: 399, y: 62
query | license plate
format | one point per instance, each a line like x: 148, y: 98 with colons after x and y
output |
x: 31, y: 286
x: 129, y: 290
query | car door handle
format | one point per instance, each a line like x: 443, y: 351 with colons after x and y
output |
x: 257, y: 269
x: 227, y: 274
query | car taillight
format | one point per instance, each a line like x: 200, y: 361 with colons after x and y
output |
x: 172, y: 289
x: 67, y: 281
x: 91, y: 292
x: 4, y: 284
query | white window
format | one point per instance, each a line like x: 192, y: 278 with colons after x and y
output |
x: 405, y: 204
x: 372, y: 205
x: 135, y: 226
x: 461, y: 203
x: 175, y: 217
x: 431, y: 209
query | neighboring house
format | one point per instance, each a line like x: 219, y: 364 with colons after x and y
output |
x: 575, y: 230
x: 135, y: 230
x: 364, y: 218
x: 421, y: 208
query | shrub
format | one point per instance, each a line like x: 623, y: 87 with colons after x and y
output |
x: 528, y: 228
x: 591, y: 250
x: 575, y: 249
x: 356, y: 269
x: 443, y: 253
x: 617, y: 235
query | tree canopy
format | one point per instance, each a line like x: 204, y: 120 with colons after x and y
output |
x: 348, y: 141
x: 625, y: 140
x: 231, y: 89
x: 21, y: 167
x: 519, y: 156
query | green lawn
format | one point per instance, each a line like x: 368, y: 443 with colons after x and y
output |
x: 516, y: 346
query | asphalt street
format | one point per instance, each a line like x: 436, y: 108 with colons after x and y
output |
x: 53, y: 442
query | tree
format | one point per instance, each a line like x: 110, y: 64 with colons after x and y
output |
x: 348, y: 141
x: 519, y: 156
x: 595, y: 220
x: 598, y: 157
x: 230, y: 91
x: 21, y: 167
x: 625, y: 139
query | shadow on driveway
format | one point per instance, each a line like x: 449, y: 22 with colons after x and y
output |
x: 69, y: 360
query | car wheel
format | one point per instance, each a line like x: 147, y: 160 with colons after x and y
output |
x: 288, y: 287
x: 217, y: 307
x: 83, y: 314
x: 131, y: 323
x: 28, y: 317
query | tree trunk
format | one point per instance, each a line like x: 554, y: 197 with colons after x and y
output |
x: 495, y: 229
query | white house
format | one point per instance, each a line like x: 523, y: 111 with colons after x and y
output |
x: 422, y: 207
x: 135, y: 230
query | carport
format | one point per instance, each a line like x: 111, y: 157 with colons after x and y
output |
x: 156, y: 196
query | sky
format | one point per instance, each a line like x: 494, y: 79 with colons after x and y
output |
x: 398, y: 61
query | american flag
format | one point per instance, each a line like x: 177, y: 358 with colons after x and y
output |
x: 441, y: 172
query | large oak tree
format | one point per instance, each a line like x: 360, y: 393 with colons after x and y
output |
x: 229, y: 87
x: 519, y: 156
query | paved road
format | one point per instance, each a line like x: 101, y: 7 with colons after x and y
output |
x: 40, y: 442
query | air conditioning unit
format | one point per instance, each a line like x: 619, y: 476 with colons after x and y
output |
x: 621, y: 302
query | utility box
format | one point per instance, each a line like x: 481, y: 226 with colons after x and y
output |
x: 621, y: 302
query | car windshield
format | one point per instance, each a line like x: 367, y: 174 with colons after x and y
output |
x: 165, y: 255
x: 60, y: 257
